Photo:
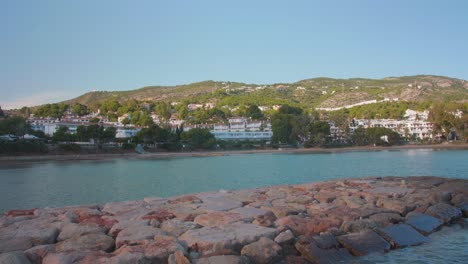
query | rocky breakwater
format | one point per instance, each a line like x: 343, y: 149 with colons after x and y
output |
x: 327, y: 222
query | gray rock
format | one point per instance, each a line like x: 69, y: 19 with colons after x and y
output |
x: 37, y: 253
x: 72, y: 230
x: 95, y: 241
x: 15, y: 243
x: 402, y: 235
x: 219, y: 204
x: 285, y: 237
x: 14, y: 258
x: 135, y: 233
x: 385, y: 219
x: 326, y: 241
x: 444, y: 212
x: 364, y: 243
x: 262, y: 251
x: 177, y: 227
x: 424, y: 223
x: 28, y: 233
x: 250, y: 212
x: 358, y: 225
x: 227, y: 240
x: 178, y: 258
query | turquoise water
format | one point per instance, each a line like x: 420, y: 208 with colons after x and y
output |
x: 81, y: 182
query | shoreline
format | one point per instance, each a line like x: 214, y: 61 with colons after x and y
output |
x: 318, y: 222
x: 164, y: 155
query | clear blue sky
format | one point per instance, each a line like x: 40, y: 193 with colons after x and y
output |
x: 54, y: 50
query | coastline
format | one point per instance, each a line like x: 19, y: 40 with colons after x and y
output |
x: 318, y: 222
x: 164, y: 155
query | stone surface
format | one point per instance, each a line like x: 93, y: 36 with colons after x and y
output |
x: 72, y: 230
x: 425, y: 224
x: 326, y: 241
x: 224, y: 259
x: 402, y: 235
x: 176, y: 227
x: 285, y: 237
x: 364, y: 243
x: 311, y: 252
x: 385, y: 219
x: 225, y: 240
x: 14, y: 258
x: 262, y: 251
x: 358, y: 225
x: 444, y: 212
x: 37, y: 253
x: 178, y: 258
x: 135, y: 233
x: 213, y: 219
x: 95, y: 241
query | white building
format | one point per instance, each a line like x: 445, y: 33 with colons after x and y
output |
x: 243, y: 129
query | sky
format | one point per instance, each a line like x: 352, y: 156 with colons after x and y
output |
x: 52, y: 50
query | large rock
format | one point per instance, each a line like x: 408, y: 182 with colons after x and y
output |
x: 444, y: 212
x: 176, y: 227
x: 311, y: 252
x: 95, y: 241
x: 224, y: 259
x: 228, y: 239
x: 135, y: 233
x: 385, y: 219
x: 219, y: 204
x: 72, y: 230
x: 358, y: 225
x: 326, y: 241
x: 285, y: 237
x: 425, y: 224
x: 249, y: 212
x: 402, y: 235
x: 14, y: 258
x: 37, y: 253
x: 262, y: 251
x: 178, y: 258
x: 151, y: 251
x: 364, y: 243
x: 213, y: 219
x: 326, y: 196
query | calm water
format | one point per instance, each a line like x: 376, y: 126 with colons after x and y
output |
x: 66, y: 183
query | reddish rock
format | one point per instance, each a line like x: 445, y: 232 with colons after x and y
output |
x: 267, y: 219
x: 160, y: 215
x: 176, y: 227
x: 364, y: 243
x: 395, y: 205
x: 325, y: 196
x: 297, y: 224
x: 224, y: 259
x: 15, y: 213
x: 135, y: 233
x: 264, y: 250
x: 213, y: 219
x: 358, y: 225
x: 154, y: 251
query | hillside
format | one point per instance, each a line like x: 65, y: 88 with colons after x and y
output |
x: 316, y: 92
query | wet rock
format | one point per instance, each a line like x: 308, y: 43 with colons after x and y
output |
x: 358, y: 225
x: 72, y: 230
x: 364, y: 243
x: 96, y: 241
x: 402, y: 235
x: 14, y: 258
x: 264, y: 250
x: 385, y: 219
x: 37, y: 253
x: 178, y: 258
x: 326, y: 241
x: 311, y: 252
x: 425, y: 224
x: 135, y: 233
x: 444, y: 212
x: 228, y: 239
x: 268, y: 219
x: 213, y: 219
x: 224, y: 259
x: 176, y: 227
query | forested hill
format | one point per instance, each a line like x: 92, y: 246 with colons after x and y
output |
x: 309, y: 93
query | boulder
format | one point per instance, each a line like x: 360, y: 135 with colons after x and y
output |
x: 213, y: 219
x: 224, y: 259
x: 15, y: 243
x: 25, y: 234
x: 176, y: 227
x: 326, y: 241
x: 385, y: 219
x: 219, y: 204
x: 364, y: 243
x: 71, y: 230
x: 424, y: 223
x: 325, y: 196
x: 227, y: 239
x: 285, y: 237
x: 402, y: 235
x: 262, y: 251
x: 268, y: 219
x: 135, y: 233
x: 249, y: 212
x: 444, y: 212
x: 311, y: 252
x: 178, y: 258
x: 14, y: 258
x: 95, y: 241
x: 37, y: 253
x: 358, y: 225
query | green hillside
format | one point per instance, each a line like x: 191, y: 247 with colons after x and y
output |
x: 309, y: 93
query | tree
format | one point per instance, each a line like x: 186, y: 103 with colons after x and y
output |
x: 79, y: 109
x: 1, y: 112
x: 62, y: 134
x: 153, y: 134
x: 199, y: 138
x: 14, y: 125
x: 163, y: 110
x: 319, y: 132
x: 254, y: 112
